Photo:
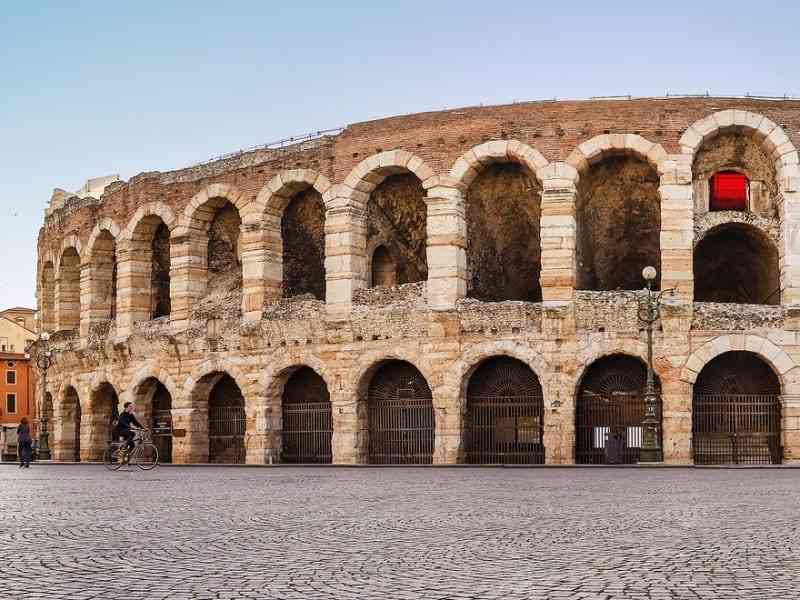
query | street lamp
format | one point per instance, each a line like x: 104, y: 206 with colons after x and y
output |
x: 43, y: 361
x: 649, y: 311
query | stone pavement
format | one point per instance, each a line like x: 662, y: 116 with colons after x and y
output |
x: 80, y: 532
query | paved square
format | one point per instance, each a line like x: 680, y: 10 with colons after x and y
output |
x: 590, y: 534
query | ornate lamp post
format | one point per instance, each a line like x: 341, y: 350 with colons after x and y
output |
x: 649, y: 312
x: 43, y: 361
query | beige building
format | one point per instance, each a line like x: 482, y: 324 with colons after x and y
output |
x: 457, y: 286
x: 17, y: 329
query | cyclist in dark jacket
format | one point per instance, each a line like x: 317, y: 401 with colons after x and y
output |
x: 123, y: 428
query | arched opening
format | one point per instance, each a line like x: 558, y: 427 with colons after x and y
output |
x: 736, y: 263
x: 68, y: 294
x: 48, y: 299
x: 505, y: 414
x: 732, y: 171
x: 610, y: 410
x: 103, y: 279
x: 150, y: 270
x: 70, y: 425
x: 397, y: 219
x: 618, y: 224
x: 736, y: 412
x: 226, y: 422
x: 159, y: 272
x: 154, y: 404
x: 224, y: 251
x: 503, y: 209
x: 307, y: 421
x: 303, y: 234
x: 105, y: 409
x: 384, y: 271
x: 400, y: 414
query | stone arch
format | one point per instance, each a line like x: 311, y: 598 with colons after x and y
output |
x: 306, y: 416
x: 502, y: 182
x: 281, y: 191
x: 773, y: 138
x: 600, y: 147
x: 70, y: 241
x: 359, y: 375
x: 67, y: 422
x: 457, y: 376
x: 217, y: 365
x: 736, y: 262
x: 68, y: 285
x: 776, y: 357
x: 610, y: 408
x: 707, y: 223
x: 150, y: 371
x: 618, y: 210
x: 467, y: 167
x: 102, y: 260
x: 153, y: 391
x: 145, y: 267
x: 370, y: 172
x: 103, y: 408
x: 196, y: 213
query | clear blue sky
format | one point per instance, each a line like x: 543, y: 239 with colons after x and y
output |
x: 94, y: 88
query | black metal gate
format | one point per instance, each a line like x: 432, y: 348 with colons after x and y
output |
x: 505, y: 407
x: 401, y: 418
x: 610, y: 411
x: 736, y: 412
x: 226, y: 427
x: 307, y: 422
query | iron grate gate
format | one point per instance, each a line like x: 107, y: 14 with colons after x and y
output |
x: 226, y: 427
x: 307, y: 430
x: 615, y: 418
x: 401, y: 431
x: 736, y: 429
x: 505, y: 430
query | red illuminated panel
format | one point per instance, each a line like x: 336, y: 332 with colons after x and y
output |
x: 729, y: 191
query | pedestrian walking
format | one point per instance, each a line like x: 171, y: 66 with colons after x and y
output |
x: 24, y: 443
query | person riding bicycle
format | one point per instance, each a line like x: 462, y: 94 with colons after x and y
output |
x: 123, y: 427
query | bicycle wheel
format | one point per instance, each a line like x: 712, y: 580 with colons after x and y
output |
x: 145, y: 456
x: 112, y: 457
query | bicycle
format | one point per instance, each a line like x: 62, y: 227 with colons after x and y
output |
x: 144, y: 454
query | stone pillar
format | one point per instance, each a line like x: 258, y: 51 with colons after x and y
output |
x: 559, y: 420
x: 134, y: 293
x: 350, y: 434
x: 345, y: 254
x: 677, y: 227
x: 89, y: 312
x: 789, y: 250
x: 273, y: 252
x: 449, y: 437
x: 446, y: 247
x: 188, y: 273
x: 558, y: 237
x: 193, y: 446
x: 790, y: 426
x: 263, y: 437
x: 253, y: 267
x: 676, y: 422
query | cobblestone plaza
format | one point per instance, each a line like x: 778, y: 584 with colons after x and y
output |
x: 80, y: 532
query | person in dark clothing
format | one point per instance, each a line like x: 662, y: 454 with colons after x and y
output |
x: 124, y: 423
x: 24, y: 442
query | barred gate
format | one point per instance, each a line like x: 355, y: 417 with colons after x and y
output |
x: 307, y: 430
x: 505, y: 407
x: 401, y: 417
x: 610, y: 410
x: 226, y: 427
x: 736, y: 412
x: 736, y: 429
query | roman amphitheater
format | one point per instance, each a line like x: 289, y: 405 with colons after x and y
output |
x: 447, y: 287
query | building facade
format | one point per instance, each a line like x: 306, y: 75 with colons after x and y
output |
x: 456, y: 286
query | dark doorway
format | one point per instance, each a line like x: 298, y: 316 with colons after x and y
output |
x: 736, y: 412
x: 401, y: 417
x: 505, y: 410
x: 226, y: 423
x: 307, y: 422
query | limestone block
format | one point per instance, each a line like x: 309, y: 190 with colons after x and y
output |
x: 724, y: 118
x: 691, y: 138
x: 753, y: 343
x: 766, y: 127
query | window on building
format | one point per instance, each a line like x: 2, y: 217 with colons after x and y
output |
x: 11, y: 378
x: 11, y: 403
x: 729, y: 191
